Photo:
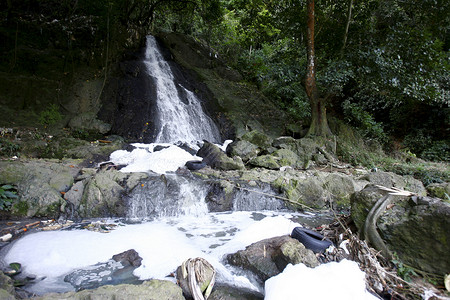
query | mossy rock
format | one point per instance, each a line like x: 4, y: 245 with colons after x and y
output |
x: 416, y: 228
x: 288, y: 158
x: 440, y: 190
x: 243, y: 149
x: 266, y: 161
x: 257, y: 138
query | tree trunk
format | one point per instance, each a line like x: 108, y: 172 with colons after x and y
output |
x: 319, y: 124
x: 347, y: 24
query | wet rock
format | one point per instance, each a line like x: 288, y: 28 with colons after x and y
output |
x: 223, y: 292
x: 269, y: 257
x: 216, y: 158
x: 129, y: 257
x: 220, y: 196
x: 243, y: 149
x: 417, y: 228
x: 149, y: 290
x: 102, y: 195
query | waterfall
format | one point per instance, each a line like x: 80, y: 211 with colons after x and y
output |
x: 179, y: 112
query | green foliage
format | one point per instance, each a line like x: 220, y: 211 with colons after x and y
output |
x: 358, y: 116
x: 7, y: 196
x: 438, y: 151
x: 404, y: 271
x: 8, y: 148
x: 50, y: 116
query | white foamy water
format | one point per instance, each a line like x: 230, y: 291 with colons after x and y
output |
x: 333, y: 281
x: 163, y: 244
x: 144, y: 159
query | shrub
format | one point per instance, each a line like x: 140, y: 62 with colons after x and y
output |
x: 364, y: 120
x: 50, y: 116
x: 8, y: 148
x: 7, y: 195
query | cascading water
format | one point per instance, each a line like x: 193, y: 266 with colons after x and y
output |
x: 180, y: 113
x: 181, y: 226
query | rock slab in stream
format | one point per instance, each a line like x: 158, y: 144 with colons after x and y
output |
x: 416, y: 228
x: 119, y: 269
x: 269, y: 257
x: 149, y: 290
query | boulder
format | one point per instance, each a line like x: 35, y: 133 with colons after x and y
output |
x: 288, y: 158
x: 220, y: 196
x: 40, y: 185
x: 243, y: 149
x: 149, y: 290
x: 266, y: 161
x: 102, y: 196
x: 269, y: 257
x: 389, y: 179
x: 417, y: 228
x: 129, y: 257
x: 257, y: 138
x: 216, y: 158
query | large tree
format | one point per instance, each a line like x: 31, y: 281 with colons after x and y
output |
x: 319, y: 123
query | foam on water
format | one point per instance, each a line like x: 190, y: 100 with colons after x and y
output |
x: 163, y: 244
x: 144, y: 159
x: 333, y: 281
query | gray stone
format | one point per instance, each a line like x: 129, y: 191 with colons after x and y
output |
x: 269, y: 257
x: 288, y: 158
x: 389, y: 179
x: 221, y: 292
x: 257, y: 138
x: 243, y: 149
x: 88, y: 121
x: 149, y: 290
x: 40, y: 184
x: 266, y: 161
x: 216, y: 158
x: 416, y: 228
x: 103, y: 195
x: 440, y: 190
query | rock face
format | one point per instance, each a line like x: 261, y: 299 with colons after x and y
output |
x: 269, y: 257
x: 149, y: 290
x: 39, y: 184
x: 416, y: 228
